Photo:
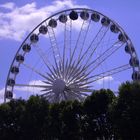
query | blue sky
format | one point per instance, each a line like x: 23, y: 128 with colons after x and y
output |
x: 19, y: 17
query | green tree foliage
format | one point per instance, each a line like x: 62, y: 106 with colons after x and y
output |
x: 11, y: 118
x: 96, y: 117
x: 70, y: 117
x: 101, y: 116
x: 54, y: 131
x: 35, y: 118
x: 126, y: 112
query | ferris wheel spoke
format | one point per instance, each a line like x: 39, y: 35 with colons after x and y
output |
x: 53, y: 72
x: 79, y: 84
x: 70, y: 95
x: 104, y: 56
x: 82, y: 89
x: 48, y: 95
x: 70, y: 37
x: 80, y: 81
x: 67, y: 40
x: 96, y: 46
x: 56, y: 97
x: 76, y: 74
x: 34, y: 70
x: 96, y: 41
x: 66, y: 69
x: 64, y: 47
x: 77, y: 79
x: 76, y: 95
x: 34, y: 86
x: 81, y: 70
x: 73, y: 72
x: 61, y: 70
x: 84, y: 36
x: 61, y: 96
x: 101, y: 58
x: 65, y: 96
x: 49, y: 79
x: 108, y: 73
x: 56, y: 72
x: 81, y: 36
x: 69, y: 69
x: 46, y: 92
x: 84, y: 94
x: 103, y: 74
x: 46, y: 82
x: 55, y: 48
x: 45, y: 60
x: 53, y: 77
x: 43, y: 56
x: 111, y: 72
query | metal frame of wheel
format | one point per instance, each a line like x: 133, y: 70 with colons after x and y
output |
x: 68, y: 78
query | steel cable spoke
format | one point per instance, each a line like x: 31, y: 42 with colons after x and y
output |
x: 105, y: 74
x: 48, y: 94
x: 106, y: 54
x: 115, y: 71
x: 103, y: 57
x: 35, y: 86
x: 101, y: 33
x: 76, y: 95
x: 82, y: 36
x: 34, y: 70
x: 85, y: 32
x: 99, y: 36
x: 77, y: 42
x: 43, y: 56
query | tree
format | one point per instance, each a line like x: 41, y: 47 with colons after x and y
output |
x: 55, y: 123
x: 35, y: 118
x: 10, y: 119
x: 70, y: 116
x: 126, y: 112
x: 97, y: 123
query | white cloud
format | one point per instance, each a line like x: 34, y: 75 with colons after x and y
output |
x: 105, y: 79
x: 8, y: 5
x: 21, y: 20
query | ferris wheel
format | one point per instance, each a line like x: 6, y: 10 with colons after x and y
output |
x: 68, y: 53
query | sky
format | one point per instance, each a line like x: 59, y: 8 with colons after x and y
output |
x: 19, y: 17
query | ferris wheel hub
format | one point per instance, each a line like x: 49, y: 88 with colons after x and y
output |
x: 58, y: 86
